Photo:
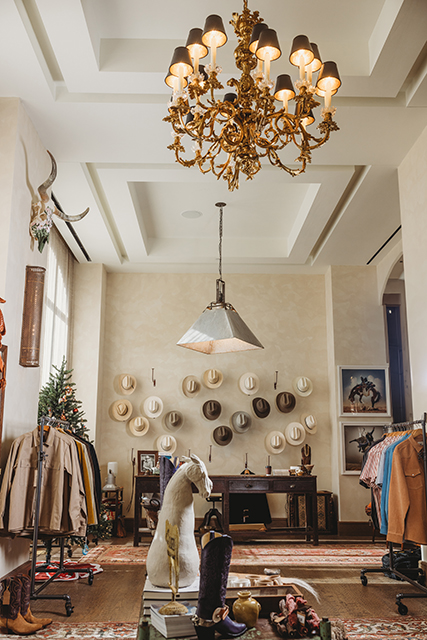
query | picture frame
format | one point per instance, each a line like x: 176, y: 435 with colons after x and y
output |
x: 3, y: 352
x: 364, y: 390
x: 147, y: 461
x: 351, y: 451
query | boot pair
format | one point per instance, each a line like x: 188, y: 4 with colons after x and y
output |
x: 212, y: 612
x: 16, y: 615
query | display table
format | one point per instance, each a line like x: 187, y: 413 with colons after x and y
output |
x: 306, y: 485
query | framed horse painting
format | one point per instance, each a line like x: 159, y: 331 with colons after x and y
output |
x: 364, y: 391
x: 356, y: 437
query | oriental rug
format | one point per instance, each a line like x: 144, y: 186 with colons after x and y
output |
x: 325, y: 555
x: 402, y: 628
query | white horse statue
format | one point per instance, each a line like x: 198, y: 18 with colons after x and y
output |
x: 178, y: 509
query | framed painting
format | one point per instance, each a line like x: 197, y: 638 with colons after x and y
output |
x: 364, y: 391
x: 355, y: 439
x: 147, y: 461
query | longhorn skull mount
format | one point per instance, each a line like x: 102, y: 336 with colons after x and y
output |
x: 41, y: 211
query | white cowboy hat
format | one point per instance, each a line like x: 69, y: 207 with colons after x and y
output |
x: 295, y: 433
x: 222, y: 436
x: 249, y: 384
x: 275, y: 442
x: 121, y: 410
x: 173, y: 420
x: 240, y: 421
x: 212, y: 378
x: 153, y: 407
x: 139, y: 426
x: 309, y: 422
x: 126, y: 384
x: 302, y: 386
x: 190, y: 386
x: 166, y: 445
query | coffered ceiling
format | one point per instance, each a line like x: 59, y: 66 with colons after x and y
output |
x: 90, y: 74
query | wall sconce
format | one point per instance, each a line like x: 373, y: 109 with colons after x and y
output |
x: 32, y: 317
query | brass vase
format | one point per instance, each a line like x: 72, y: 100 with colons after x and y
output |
x: 246, y: 609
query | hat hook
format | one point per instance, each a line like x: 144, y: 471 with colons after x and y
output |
x: 210, y: 453
x: 153, y: 379
x: 276, y: 379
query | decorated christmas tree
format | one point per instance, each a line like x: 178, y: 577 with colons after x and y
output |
x: 57, y: 399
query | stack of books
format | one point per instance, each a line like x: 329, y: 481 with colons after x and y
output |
x: 152, y: 595
x: 174, y: 626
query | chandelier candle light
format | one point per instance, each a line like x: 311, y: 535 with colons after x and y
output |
x: 232, y: 135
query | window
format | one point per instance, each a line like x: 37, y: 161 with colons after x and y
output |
x: 56, y: 333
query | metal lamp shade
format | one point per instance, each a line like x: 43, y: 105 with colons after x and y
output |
x: 195, y: 45
x: 301, y: 47
x: 329, y: 78
x: 284, y: 88
x: 256, y: 32
x: 214, y: 32
x: 268, y: 45
x: 219, y: 329
x: 181, y: 58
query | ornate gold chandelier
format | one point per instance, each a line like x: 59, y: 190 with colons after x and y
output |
x: 232, y: 135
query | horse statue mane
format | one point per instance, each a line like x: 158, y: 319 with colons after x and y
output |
x: 178, y: 509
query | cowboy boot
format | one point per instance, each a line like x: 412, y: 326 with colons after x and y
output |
x: 167, y: 470
x: 25, y: 602
x: 212, y: 612
x: 11, y: 618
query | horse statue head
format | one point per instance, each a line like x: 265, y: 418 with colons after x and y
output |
x: 196, y: 472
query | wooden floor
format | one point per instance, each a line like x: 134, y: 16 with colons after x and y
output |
x: 115, y: 594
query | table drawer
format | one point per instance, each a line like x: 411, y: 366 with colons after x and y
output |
x: 297, y: 484
x: 248, y: 485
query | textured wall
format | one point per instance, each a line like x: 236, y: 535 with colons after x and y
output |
x: 145, y: 316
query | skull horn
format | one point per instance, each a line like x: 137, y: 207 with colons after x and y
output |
x: 45, y: 197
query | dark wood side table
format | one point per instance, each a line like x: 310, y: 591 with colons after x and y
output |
x: 225, y: 485
x: 113, y: 500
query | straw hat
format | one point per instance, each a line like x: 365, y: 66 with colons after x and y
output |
x: 285, y: 402
x: 222, y: 436
x: 309, y: 422
x: 211, y: 409
x: 240, y: 421
x: 173, y: 420
x: 121, y: 410
x: 212, y: 378
x: 166, y: 445
x: 126, y: 384
x: 153, y: 407
x: 302, y: 386
x: 295, y: 433
x: 190, y: 386
x: 249, y: 384
x: 260, y: 407
x: 275, y: 442
x: 139, y: 426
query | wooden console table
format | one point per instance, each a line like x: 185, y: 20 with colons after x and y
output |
x: 225, y: 485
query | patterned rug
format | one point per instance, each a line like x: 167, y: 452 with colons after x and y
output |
x: 326, y: 555
x: 403, y: 628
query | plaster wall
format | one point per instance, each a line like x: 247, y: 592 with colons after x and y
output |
x: 356, y: 336
x: 24, y: 165
x: 145, y: 316
x: 413, y: 203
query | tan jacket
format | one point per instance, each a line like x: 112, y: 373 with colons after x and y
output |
x: 63, y: 504
x: 407, y: 510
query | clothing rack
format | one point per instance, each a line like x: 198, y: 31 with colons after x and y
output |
x: 60, y: 568
x: 402, y: 608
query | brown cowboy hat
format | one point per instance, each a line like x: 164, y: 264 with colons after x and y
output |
x: 211, y: 409
x: 222, y: 436
x: 285, y: 402
x: 260, y: 407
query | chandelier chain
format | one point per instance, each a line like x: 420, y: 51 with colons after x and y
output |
x: 220, y: 241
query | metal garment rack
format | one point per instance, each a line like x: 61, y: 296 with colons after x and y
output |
x: 61, y: 568
x: 402, y: 608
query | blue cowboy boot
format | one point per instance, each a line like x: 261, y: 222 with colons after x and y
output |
x: 212, y: 612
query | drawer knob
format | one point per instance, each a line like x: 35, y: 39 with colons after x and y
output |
x: 248, y: 486
x: 292, y: 486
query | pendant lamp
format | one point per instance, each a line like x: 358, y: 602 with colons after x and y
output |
x: 219, y: 329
